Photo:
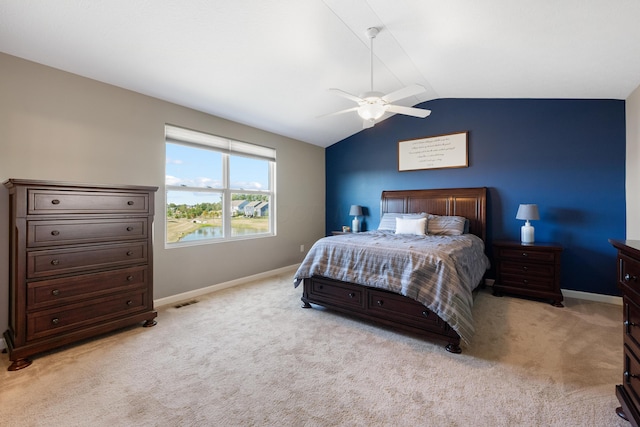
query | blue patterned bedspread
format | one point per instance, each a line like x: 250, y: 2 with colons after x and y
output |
x: 439, y: 271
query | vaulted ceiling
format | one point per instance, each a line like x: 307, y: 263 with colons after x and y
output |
x: 270, y: 63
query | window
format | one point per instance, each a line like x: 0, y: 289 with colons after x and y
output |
x: 217, y: 189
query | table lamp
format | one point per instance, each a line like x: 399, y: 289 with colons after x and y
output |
x: 356, y: 211
x: 527, y: 212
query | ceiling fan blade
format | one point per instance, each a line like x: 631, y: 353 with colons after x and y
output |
x: 403, y: 93
x: 348, y: 110
x: 409, y: 111
x: 346, y: 95
x: 366, y: 124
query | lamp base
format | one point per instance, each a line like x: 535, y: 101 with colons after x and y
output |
x: 355, y: 225
x: 527, y: 233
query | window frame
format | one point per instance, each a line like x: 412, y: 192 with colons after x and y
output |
x: 227, y: 148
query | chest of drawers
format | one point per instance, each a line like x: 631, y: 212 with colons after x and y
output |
x: 531, y: 270
x: 81, y: 263
x: 628, y: 275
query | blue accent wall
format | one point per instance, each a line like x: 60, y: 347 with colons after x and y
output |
x: 567, y: 156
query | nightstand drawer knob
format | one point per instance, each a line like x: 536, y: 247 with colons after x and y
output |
x: 525, y: 254
x: 627, y: 323
x: 380, y: 302
x: 525, y: 268
x: 525, y: 281
x: 352, y: 295
x: 628, y: 277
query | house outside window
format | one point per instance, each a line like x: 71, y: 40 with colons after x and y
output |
x: 217, y: 189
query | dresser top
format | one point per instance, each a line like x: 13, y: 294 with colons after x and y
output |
x: 632, y: 246
x: 10, y: 183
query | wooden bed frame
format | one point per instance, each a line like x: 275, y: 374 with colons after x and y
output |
x: 391, y: 309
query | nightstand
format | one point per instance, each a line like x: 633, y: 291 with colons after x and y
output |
x: 335, y: 233
x: 531, y: 270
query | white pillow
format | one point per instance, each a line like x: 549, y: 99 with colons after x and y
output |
x: 415, y: 226
x: 446, y: 225
x: 388, y: 220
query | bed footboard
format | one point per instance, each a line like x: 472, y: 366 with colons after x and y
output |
x: 380, y: 306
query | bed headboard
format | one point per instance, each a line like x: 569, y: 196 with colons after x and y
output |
x: 470, y: 203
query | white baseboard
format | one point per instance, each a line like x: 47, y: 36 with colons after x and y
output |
x: 218, y: 287
x: 608, y: 299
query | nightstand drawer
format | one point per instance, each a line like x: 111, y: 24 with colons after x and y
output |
x: 527, y: 254
x: 529, y: 269
x: 527, y: 282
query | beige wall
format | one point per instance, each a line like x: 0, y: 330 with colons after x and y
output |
x: 632, y: 108
x: 59, y: 126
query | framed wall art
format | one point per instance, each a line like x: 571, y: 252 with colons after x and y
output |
x: 434, y: 152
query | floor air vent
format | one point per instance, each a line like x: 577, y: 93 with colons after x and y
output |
x: 183, y: 304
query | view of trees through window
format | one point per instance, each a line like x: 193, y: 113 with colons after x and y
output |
x: 204, y: 204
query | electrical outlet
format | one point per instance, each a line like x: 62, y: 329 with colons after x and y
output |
x: 301, y: 248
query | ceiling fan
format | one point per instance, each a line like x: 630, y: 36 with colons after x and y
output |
x: 372, y: 105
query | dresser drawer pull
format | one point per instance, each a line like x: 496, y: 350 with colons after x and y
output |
x: 129, y: 253
x: 352, y: 295
x: 525, y: 268
x: 130, y: 202
x: 129, y: 278
x: 55, y: 262
x: 55, y: 202
x: 55, y: 320
x: 55, y: 233
x: 525, y: 281
x: 129, y: 303
x: 628, y: 277
x: 55, y: 292
x: 627, y: 323
x: 380, y: 302
x: 628, y: 375
x: 129, y: 228
x: 425, y: 313
x: 525, y: 254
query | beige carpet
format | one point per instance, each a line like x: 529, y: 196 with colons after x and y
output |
x: 250, y: 356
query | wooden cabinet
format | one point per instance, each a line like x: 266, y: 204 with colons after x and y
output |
x: 81, y: 263
x: 628, y: 274
x: 531, y: 270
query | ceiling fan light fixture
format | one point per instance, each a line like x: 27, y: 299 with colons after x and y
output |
x: 371, y: 110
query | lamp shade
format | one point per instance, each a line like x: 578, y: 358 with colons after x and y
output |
x: 355, y: 210
x: 528, y: 212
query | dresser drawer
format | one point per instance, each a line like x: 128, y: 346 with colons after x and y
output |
x: 406, y: 311
x: 629, y: 272
x: 46, y: 293
x: 527, y: 269
x: 526, y: 254
x: 47, y: 263
x: 85, y: 202
x: 57, y: 320
x: 64, y: 232
x: 343, y: 295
